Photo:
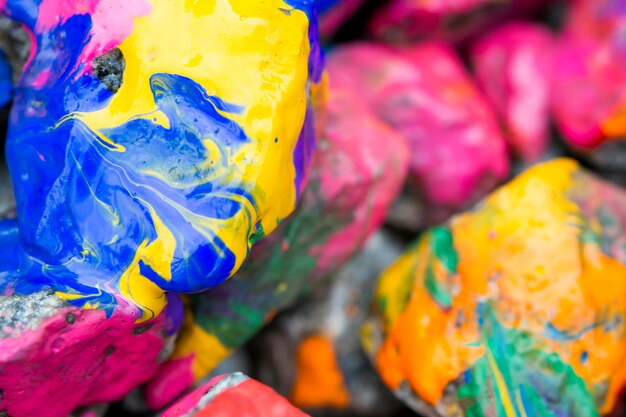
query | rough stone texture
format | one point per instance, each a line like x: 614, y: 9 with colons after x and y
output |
x: 233, y: 395
x: 354, y: 178
x: 20, y: 313
x: 15, y: 42
x: 55, y: 358
x: 522, y: 299
x: 109, y: 68
x: 458, y: 152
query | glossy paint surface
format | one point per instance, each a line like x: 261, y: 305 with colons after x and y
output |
x: 424, y: 93
x: 6, y: 85
x: 517, y: 308
x: 513, y: 66
x: 77, y: 357
x: 152, y: 142
x: 233, y: 395
x: 353, y: 181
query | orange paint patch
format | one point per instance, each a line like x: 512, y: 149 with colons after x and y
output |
x: 319, y: 382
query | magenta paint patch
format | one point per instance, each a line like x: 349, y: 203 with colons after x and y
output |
x: 173, y: 378
x: 112, y: 21
x: 78, y: 357
x: 364, y: 144
x: 514, y: 66
x: 458, y: 151
x: 589, y: 93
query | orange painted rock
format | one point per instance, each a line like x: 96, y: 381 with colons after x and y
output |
x: 517, y: 308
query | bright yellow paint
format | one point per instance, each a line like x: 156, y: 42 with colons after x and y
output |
x: 247, y: 52
x: 206, y: 349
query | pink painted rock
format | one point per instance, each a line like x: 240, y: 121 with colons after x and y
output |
x: 513, y: 66
x: 458, y: 152
x: 358, y: 170
x: 589, y: 94
x: 333, y: 13
x: 55, y: 357
x: 402, y: 21
x: 233, y: 395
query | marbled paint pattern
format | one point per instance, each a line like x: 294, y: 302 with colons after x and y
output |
x: 149, y: 152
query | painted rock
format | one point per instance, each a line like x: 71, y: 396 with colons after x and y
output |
x: 589, y: 100
x: 425, y: 94
x: 6, y: 86
x: 513, y: 66
x: 515, y: 308
x: 333, y: 13
x: 55, y: 357
x: 312, y: 354
x: 402, y: 21
x: 233, y: 395
x: 152, y: 146
x: 358, y: 170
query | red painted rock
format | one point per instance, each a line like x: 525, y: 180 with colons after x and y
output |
x: 458, y: 152
x: 513, y: 66
x: 233, y: 395
x: 402, y: 21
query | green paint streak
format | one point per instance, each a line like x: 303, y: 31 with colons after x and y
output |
x: 537, y: 381
x: 258, y: 234
x: 280, y: 273
x: 436, y: 290
x: 442, y: 247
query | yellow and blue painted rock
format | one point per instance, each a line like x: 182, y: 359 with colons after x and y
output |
x: 152, y: 142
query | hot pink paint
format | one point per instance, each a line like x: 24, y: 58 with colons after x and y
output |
x: 65, y: 364
x: 173, y: 378
x: 513, y: 65
x: 590, y: 73
x: 373, y: 161
x: 247, y: 398
x: 424, y: 93
x: 112, y: 20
